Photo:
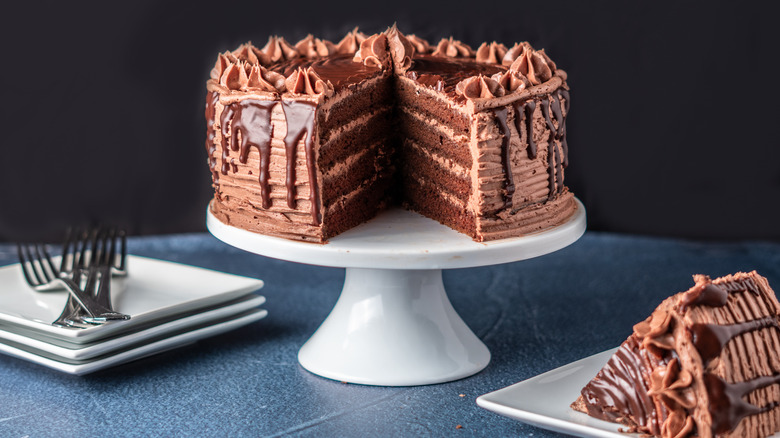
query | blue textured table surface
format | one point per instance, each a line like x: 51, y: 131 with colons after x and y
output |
x: 534, y: 316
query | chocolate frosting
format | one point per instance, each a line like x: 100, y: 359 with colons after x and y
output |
x: 534, y: 64
x: 307, y: 81
x: 421, y: 45
x: 235, y: 74
x: 479, y: 87
x: 311, y: 47
x: 351, y: 42
x: 512, y: 81
x: 453, y: 48
x: 278, y: 49
x: 492, y: 53
x: 373, y: 51
x: 251, y: 54
x: 401, y: 49
x: 513, y: 53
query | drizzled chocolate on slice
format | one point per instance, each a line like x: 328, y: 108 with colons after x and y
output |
x: 705, y: 363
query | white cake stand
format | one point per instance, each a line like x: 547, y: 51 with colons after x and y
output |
x: 393, y: 324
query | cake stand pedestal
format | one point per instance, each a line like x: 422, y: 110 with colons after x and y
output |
x: 393, y: 324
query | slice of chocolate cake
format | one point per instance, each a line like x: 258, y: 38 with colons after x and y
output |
x: 308, y: 140
x: 705, y: 363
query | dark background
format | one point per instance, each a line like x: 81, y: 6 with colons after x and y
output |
x: 672, y: 130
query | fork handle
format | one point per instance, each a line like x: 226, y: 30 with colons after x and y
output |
x: 95, y: 311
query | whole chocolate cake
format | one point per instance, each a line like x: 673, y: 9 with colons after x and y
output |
x: 308, y: 140
x: 705, y: 363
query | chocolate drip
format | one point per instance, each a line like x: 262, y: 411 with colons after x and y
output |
x: 554, y: 163
x: 300, y: 122
x: 527, y: 115
x: 708, y: 295
x: 709, y: 339
x: 616, y: 387
x: 562, y: 127
x: 225, y: 120
x: 252, y: 119
x: 727, y: 407
x: 211, y: 147
x: 509, y: 187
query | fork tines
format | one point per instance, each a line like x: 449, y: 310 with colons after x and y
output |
x: 37, y: 266
x: 95, y: 247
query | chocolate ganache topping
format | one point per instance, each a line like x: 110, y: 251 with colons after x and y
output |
x: 453, y: 48
x: 492, y: 53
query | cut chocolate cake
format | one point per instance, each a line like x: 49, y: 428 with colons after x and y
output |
x: 308, y: 140
x: 705, y: 363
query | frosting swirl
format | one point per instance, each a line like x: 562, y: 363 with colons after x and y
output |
x: 305, y: 81
x: 311, y: 47
x: 515, y: 52
x: 373, y: 51
x: 670, y: 382
x: 492, y: 53
x: 278, y: 49
x: 453, y: 48
x: 512, y: 81
x: 223, y: 61
x: 401, y: 49
x: 251, y: 54
x: 351, y: 42
x: 533, y: 64
x: 245, y: 76
x: 421, y: 45
x: 479, y: 87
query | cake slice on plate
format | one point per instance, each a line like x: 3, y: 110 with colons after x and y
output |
x: 705, y: 363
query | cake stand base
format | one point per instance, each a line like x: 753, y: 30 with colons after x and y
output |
x: 394, y: 327
x: 393, y: 324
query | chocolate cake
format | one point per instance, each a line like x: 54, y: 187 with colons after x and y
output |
x: 705, y: 363
x: 310, y: 139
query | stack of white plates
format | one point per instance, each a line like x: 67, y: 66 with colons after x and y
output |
x: 170, y: 305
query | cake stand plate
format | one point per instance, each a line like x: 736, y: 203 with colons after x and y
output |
x: 393, y: 324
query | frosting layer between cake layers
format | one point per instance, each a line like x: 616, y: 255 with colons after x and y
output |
x: 308, y: 140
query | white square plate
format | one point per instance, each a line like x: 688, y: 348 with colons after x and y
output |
x: 138, y: 351
x: 545, y: 400
x: 63, y: 351
x: 153, y: 291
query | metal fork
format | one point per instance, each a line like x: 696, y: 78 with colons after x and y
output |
x: 40, y: 273
x: 97, y: 247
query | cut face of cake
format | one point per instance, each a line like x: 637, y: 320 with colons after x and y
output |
x: 308, y: 140
x: 705, y: 363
